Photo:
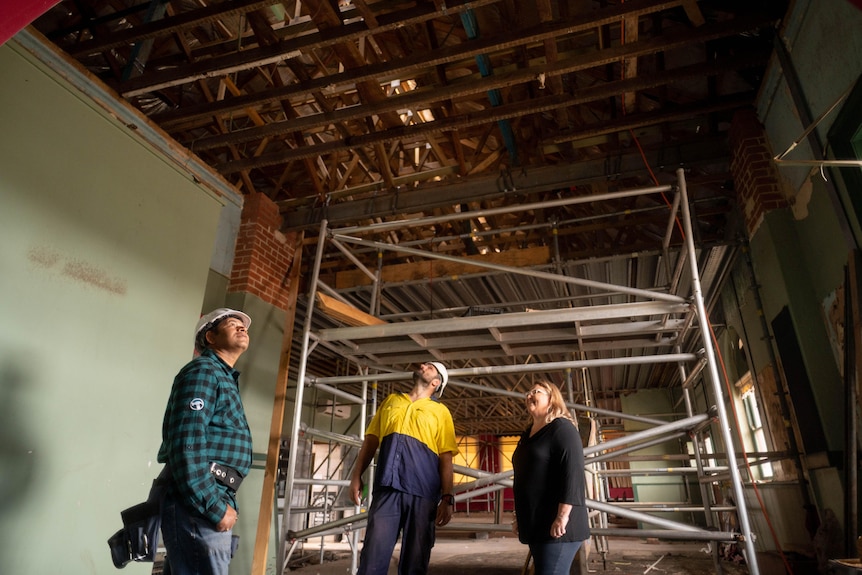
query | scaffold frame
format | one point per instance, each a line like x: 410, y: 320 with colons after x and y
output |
x: 676, y: 313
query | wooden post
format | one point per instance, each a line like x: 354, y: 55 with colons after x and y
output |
x: 580, y: 565
x: 267, y: 499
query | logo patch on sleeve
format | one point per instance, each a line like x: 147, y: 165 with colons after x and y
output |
x: 197, y: 404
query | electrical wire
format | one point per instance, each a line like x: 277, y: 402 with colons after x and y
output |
x: 654, y: 178
x: 637, y: 141
x: 745, y: 455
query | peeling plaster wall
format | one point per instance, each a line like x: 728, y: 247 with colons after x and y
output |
x: 799, y: 253
x: 822, y: 37
x: 799, y: 256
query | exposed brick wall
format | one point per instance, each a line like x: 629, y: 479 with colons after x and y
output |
x: 758, y: 186
x: 263, y: 254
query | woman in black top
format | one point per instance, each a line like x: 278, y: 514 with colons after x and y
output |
x: 550, y: 510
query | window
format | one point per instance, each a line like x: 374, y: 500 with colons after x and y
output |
x: 756, y: 440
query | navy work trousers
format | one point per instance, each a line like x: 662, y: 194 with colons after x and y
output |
x: 393, y: 512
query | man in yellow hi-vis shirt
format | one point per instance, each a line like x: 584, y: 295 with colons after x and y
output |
x: 413, y: 485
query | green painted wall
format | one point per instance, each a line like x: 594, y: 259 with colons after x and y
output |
x: 825, y: 46
x: 105, y: 248
x: 798, y: 254
x: 780, y: 258
x: 665, y: 488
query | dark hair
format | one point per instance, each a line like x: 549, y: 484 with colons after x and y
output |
x: 417, y: 376
x: 201, y: 340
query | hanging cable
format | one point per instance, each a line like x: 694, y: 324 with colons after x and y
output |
x: 745, y: 455
x: 638, y: 144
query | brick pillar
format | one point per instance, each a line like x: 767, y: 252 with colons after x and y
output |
x: 758, y: 187
x: 263, y: 254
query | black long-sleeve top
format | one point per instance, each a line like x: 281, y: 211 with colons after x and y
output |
x: 549, y: 470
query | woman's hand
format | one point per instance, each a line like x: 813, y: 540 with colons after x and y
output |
x: 515, y: 525
x: 558, y: 527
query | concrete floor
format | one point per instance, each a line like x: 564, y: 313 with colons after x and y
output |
x: 506, y: 556
x: 500, y: 553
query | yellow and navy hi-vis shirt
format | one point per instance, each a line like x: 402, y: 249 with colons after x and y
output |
x: 412, y: 434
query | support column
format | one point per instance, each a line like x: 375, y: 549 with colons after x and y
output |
x: 263, y: 254
x: 758, y: 186
x: 260, y: 285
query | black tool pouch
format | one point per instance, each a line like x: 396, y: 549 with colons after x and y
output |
x: 138, y: 540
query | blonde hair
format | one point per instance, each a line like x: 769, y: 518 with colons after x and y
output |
x: 556, y: 404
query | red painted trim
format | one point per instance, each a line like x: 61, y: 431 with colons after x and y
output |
x: 18, y: 15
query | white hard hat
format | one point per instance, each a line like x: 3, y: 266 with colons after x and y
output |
x: 444, y: 376
x: 209, y: 320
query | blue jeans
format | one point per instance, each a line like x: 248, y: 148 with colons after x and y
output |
x: 393, y: 511
x: 553, y: 557
x: 192, y: 545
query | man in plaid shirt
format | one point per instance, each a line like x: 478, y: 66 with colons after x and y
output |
x: 207, y: 449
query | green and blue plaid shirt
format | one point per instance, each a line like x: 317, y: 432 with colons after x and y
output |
x: 204, y: 423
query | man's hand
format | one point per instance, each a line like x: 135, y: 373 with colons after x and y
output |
x: 363, y: 460
x: 444, y: 514
x: 356, y: 489
x: 444, y: 510
x: 229, y: 520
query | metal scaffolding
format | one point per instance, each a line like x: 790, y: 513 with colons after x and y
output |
x: 648, y: 318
